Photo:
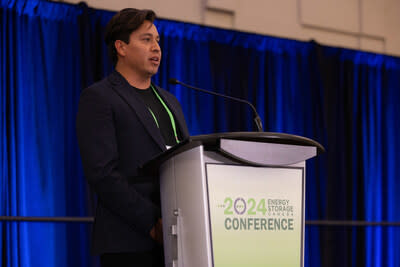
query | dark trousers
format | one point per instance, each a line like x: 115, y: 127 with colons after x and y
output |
x: 153, y: 258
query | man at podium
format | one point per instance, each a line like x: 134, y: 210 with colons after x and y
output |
x: 123, y: 121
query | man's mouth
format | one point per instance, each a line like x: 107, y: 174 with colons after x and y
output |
x: 155, y: 60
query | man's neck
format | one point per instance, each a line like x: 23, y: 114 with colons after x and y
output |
x: 135, y: 80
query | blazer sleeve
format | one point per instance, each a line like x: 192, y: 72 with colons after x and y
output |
x: 98, y: 148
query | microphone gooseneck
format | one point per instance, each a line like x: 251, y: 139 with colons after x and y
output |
x: 257, y: 118
x: 173, y: 81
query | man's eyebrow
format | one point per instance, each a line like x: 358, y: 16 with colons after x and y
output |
x: 149, y: 35
x: 145, y: 35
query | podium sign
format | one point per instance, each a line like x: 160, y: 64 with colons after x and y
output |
x: 256, y: 215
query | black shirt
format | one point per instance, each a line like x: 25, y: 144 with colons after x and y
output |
x: 164, y: 122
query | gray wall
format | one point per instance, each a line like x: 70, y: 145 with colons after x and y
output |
x: 369, y: 25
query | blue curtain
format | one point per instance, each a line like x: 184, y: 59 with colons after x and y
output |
x: 345, y: 99
x: 41, y: 173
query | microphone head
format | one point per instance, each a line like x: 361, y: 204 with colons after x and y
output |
x: 173, y: 81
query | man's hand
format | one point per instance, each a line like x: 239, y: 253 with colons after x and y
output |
x: 156, y: 232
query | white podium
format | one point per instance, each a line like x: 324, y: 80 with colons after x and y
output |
x: 234, y: 199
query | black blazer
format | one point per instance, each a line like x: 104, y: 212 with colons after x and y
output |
x: 116, y: 135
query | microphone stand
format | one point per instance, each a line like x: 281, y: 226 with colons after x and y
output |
x: 257, y: 118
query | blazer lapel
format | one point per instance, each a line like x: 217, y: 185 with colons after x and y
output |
x: 128, y: 94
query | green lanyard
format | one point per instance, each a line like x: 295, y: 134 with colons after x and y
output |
x: 171, y: 117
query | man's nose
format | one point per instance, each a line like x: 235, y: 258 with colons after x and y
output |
x: 156, y: 46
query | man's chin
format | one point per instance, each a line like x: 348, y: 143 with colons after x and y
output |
x: 153, y: 72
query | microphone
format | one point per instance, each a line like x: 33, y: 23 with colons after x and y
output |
x: 257, y: 118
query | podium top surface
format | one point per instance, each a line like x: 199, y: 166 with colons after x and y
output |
x: 212, y: 142
x: 264, y: 137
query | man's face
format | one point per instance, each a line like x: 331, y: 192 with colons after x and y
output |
x: 143, y: 54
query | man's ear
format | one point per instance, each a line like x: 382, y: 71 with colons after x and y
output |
x: 120, y: 47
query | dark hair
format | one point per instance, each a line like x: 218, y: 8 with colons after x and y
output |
x: 122, y: 25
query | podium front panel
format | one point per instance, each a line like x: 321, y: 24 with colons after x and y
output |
x: 256, y: 215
